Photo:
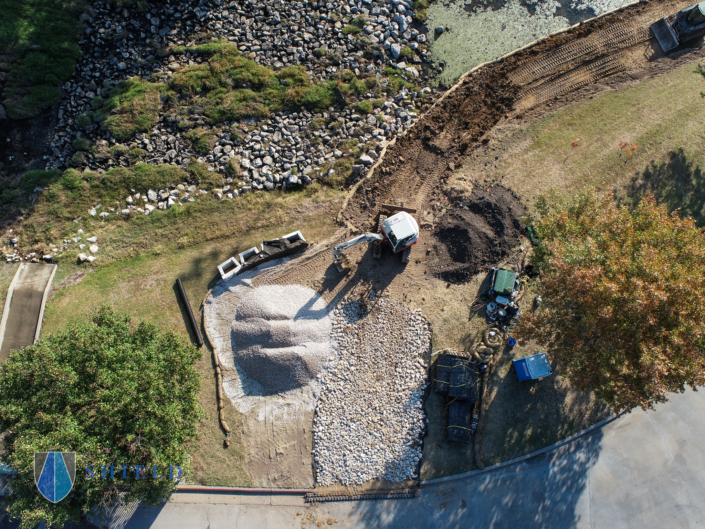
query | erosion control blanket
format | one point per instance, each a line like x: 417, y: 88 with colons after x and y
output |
x: 275, y: 249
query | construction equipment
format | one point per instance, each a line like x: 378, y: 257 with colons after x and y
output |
x: 684, y: 25
x: 400, y: 232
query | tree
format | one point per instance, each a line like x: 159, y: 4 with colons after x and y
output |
x: 622, y: 291
x: 111, y: 392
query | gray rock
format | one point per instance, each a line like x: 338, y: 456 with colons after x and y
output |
x: 395, y: 50
x: 366, y: 160
x: 152, y: 195
x: 93, y: 248
x: 93, y: 239
x: 440, y: 29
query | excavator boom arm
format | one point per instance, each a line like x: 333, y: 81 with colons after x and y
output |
x: 365, y: 237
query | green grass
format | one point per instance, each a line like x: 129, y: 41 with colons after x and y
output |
x: 666, y: 133
x: 227, y: 87
x: 351, y: 30
x: 397, y: 81
x: 70, y: 195
x: 148, y: 256
x: 363, y: 107
x: 40, y: 39
x: 202, y: 140
x: 137, y: 103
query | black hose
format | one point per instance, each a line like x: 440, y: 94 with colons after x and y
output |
x: 199, y: 339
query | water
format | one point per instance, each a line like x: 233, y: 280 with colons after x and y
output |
x: 483, y: 30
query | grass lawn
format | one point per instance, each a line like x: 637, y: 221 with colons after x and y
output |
x: 647, y: 137
x: 39, y: 38
x: 143, y: 286
x: 664, y: 135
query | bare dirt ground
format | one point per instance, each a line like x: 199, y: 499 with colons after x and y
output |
x: 431, y: 169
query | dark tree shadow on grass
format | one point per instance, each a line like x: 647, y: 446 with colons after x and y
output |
x: 677, y: 183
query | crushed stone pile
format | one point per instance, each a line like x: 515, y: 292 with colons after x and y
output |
x: 477, y: 231
x: 281, y: 336
x: 369, y: 418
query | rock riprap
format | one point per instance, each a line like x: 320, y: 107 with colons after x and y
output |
x: 369, y: 418
x: 281, y: 336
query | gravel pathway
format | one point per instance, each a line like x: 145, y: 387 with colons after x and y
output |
x: 369, y: 418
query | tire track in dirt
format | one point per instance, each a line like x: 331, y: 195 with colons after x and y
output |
x: 412, y: 168
x: 572, y: 80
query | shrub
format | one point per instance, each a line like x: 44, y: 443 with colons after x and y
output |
x: 82, y: 144
x: 363, y: 107
x: 83, y: 121
x: 78, y: 159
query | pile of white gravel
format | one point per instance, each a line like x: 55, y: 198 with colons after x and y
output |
x: 369, y: 417
x: 281, y: 336
x: 249, y: 396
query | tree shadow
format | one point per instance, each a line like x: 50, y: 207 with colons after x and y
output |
x: 677, y: 183
x: 527, y: 416
x: 541, y: 491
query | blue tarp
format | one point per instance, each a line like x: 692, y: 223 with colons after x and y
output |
x: 533, y: 367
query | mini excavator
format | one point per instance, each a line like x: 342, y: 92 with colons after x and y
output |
x: 400, y: 231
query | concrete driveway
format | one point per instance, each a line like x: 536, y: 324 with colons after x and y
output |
x: 24, y: 306
x: 644, y: 470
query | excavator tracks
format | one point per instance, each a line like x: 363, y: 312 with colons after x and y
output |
x: 616, y: 37
x: 573, y: 80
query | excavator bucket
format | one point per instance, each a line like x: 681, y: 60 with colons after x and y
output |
x: 343, y: 263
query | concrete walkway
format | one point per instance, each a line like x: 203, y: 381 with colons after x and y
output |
x: 644, y: 470
x: 24, y: 307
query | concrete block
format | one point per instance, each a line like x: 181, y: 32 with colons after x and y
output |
x: 294, y: 236
x: 248, y: 253
x: 229, y: 268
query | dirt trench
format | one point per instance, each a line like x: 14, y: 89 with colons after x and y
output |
x: 415, y: 169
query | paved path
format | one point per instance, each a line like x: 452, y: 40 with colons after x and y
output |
x: 644, y: 470
x: 24, y: 306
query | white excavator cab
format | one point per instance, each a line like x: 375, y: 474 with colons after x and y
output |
x: 401, y: 230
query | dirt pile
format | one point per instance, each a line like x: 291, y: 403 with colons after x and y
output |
x: 476, y: 232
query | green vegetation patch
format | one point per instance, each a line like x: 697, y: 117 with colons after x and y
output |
x: 96, y: 404
x: 397, y: 80
x: 40, y: 39
x: 133, y: 107
x: 231, y: 87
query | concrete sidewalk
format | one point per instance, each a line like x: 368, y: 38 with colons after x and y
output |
x: 24, y: 307
x: 644, y: 470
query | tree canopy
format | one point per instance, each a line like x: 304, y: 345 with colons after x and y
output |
x: 622, y: 309
x: 112, y: 392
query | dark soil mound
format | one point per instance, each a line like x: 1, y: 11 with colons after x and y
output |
x: 477, y: 232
